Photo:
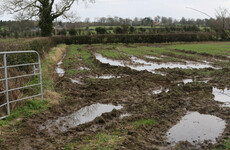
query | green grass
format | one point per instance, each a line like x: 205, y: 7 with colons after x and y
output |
x: 78, y: 51
x: 215, y: 48
x: 112, y: 54
x: 72, y: 55
x: 148, y: 122
x: 87, y: 58
x: 226, y: 146
x: 142, y: 51
x: 101, y: 141
x: 47, y: 64
x: 78, y: 55
x: 73, y: 72
x: 29, y: 108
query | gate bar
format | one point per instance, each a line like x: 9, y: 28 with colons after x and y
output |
x: 20, y: 65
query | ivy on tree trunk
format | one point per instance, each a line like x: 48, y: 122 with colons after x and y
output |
x: 46, y: 19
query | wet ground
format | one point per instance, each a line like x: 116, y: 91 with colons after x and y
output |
x: 196, y: 128
x: 134, y: 102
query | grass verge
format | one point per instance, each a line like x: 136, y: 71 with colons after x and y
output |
x: 101, y: 141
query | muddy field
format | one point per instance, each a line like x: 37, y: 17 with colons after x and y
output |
x: 133, y: 96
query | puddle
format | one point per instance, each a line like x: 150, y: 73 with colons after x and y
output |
x: 111, y: 62
x: 185, y: 81
x: 84, y: 68
x: 124, y: 115
x: 158, y: 91
x: 59, y: 69
x: 75, y: 81
x: 107, y: 77
x: 82, y: 116
x: 152, y: 57
x: 141, y: 65
x: 222, y: 96
x: 196, y: 128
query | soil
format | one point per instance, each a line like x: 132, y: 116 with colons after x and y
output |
x: 134, y: 92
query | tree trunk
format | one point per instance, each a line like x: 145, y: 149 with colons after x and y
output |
x: 46, y: 20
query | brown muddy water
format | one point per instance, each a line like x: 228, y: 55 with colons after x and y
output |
x: 196, y: 128
x: 82, y: 116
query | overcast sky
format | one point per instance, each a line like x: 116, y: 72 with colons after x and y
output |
x: 146, y: 8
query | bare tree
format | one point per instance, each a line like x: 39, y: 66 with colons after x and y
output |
x: 46, y: 10
x: 221, y: 15
x: 219, y: 23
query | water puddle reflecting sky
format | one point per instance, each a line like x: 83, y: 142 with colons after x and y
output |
x: 152, y: 57
x: 75, y: 81
x: 196, y: 128
x: 185, y: 81
x: 107, y: 77
x: 141, y: 65
x: 158, y: 91
x: 82, y: 116
x: 125, y: 115
x: 222, y: 96
x: 60, y: 71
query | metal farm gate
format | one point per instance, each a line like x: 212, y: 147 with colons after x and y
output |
x: 37, y: 72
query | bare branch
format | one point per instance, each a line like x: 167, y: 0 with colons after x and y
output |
x: 200, y: 12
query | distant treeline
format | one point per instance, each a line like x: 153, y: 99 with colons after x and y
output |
x: 109, y: 25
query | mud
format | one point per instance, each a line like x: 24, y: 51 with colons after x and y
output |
x: 58, y: 126
x: 82, y: 116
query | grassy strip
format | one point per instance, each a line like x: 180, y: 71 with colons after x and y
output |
x: 101, y: 141
x: 28, y: 109
x: 141, y: 51
x: 217, y: 48
x: 112, y: 54
x: 72, y: 55
x: 157, y: 52
x: 77, y: 54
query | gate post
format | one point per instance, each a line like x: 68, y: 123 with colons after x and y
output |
x: 6, y: 85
